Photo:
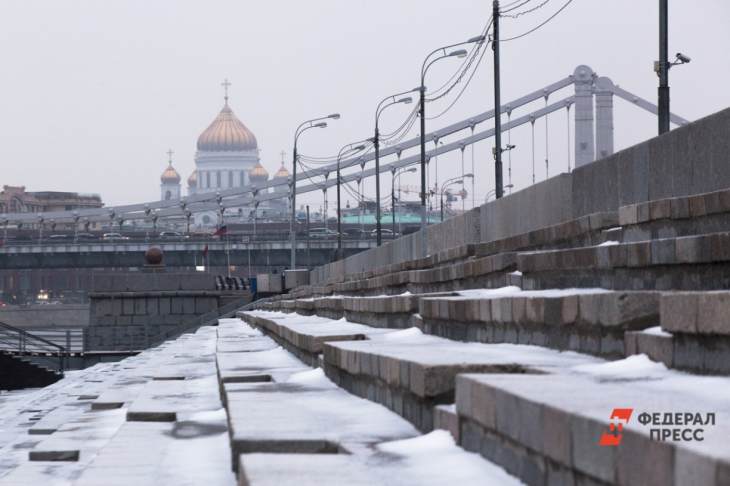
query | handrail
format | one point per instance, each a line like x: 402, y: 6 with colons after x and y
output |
x: 26, y: 340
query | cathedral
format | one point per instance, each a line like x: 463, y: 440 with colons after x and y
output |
x: 227, y: 157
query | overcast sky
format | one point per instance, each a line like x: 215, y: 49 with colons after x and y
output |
x: 93, y: 93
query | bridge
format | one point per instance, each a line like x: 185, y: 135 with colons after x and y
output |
x: 592, y: 138
x: 116, y: 254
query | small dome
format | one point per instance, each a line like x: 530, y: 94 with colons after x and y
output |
x: 170, y: 176
x: 227, y: 134
x: 193, y: 179
x: 258, y: 173
x: 282, y: 173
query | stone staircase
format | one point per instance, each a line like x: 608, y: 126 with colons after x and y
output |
x: 595, y: 351
x: 526, y: 349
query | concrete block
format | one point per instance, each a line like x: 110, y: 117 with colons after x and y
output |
x: 713, y: 316
x: 679, y: 312
x: 660, y: 209
x: 644, y: 461
x: 638, y: 254
x: 679, y: 207
x: 663, y: 252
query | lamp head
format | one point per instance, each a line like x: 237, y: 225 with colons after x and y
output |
x: 334, y: 116
x: 406, y: 101
x: 468, y: 176
x: 458, y: 53
x: 320, y: 125
x: 476, y: 40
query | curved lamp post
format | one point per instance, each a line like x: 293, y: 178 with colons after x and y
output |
x: 385, y: 103
x: 427, y: 63
x: 451, y: 182
x: 303, y: 127
x: 395, y: 176
x: 347, y: 149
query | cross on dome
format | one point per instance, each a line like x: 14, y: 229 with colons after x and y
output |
x: 225, y: 85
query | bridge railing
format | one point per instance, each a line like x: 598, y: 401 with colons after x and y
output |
x: 19, y: 342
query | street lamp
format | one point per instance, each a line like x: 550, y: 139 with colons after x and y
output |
x: 303, y: 127
x: 451, y: 182
x: 492, y: 192
x: 392, y: 188
x: 385, y: 103
x: 427, y: 63
x: 349, y: 148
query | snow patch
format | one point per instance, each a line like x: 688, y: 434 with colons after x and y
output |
x: 434, y: 458
x: 425, y: 444
x: 404, y: 334
x: 638, y: 366
x: 315, y: 377
x: 609, y: 243
x: 657, y: 331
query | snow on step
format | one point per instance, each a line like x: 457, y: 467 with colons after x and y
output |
x: 429, y: 460
x: 306, y: 414
x: 410, y: 373
x: 79, y: 439
x: 305, y: 335
x: 193, y: 451
x: 242, y: 366
x: 165, y: 401
x: 560, y: 422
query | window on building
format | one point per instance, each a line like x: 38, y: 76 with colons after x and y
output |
x: 207, y: 180
x: 243, y: 179
x: 218, y: 177
x: 230, y: 178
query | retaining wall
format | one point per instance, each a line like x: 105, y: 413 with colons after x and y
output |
x: 689, y: 160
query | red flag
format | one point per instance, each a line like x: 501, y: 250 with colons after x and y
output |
x: 205, y: 250
x: 221, y: 231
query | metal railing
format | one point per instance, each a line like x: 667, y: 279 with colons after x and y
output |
x: 39, y: 350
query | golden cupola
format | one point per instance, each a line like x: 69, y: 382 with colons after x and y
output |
x: 258, y: 174
x: 193, y: 179
x: 282, y: 173
x: 227, y: 134
x: 170, y: 175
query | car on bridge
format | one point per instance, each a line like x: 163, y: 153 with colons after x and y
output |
x: 385, y: 233
x: 114, y: 237
x: 322, y: 233
x: 172, y: 235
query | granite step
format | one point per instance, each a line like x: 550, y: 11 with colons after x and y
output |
x: 549, y: 431
x: 676, y: 216
x: 699, y: 262
x: 410, y: 373
x: 591, y: 321
x: 694, y: 333
x: 304, y: 336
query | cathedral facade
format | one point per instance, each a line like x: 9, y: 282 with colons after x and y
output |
x: 227, y: 157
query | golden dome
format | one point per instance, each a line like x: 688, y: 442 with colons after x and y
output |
x: 226, y: 134
x: 170, y: 176
x: 282, y: 173
x: 193, y: 179
x: 258, y: 173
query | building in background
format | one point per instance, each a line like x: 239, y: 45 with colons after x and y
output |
x: 170, y: 182
x: 227, y: 157
x: 15, y: 199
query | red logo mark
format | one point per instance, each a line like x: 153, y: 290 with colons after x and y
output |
x: 613, y: 436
